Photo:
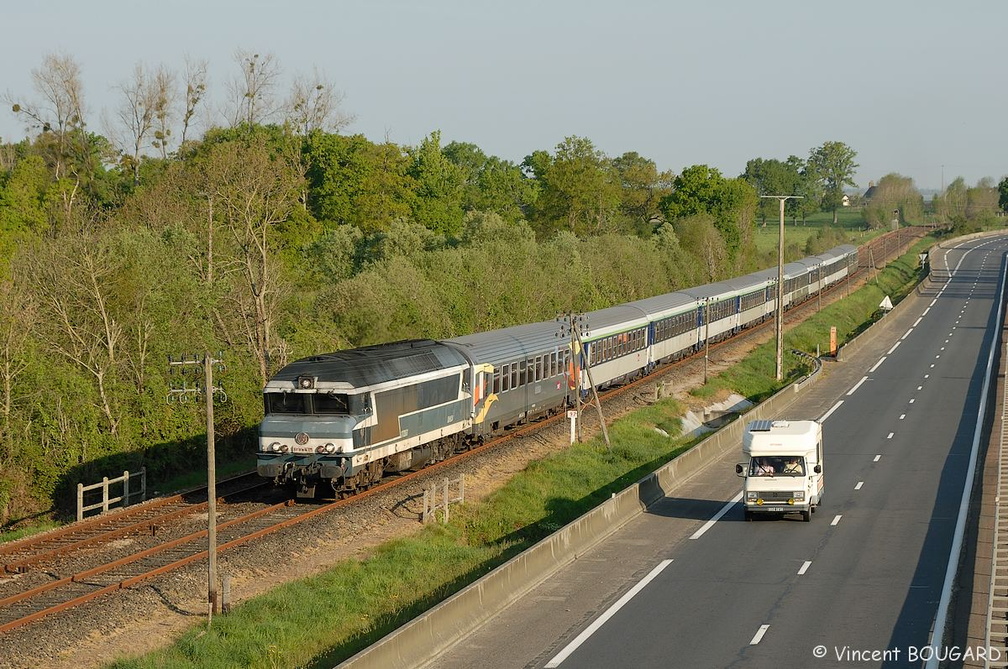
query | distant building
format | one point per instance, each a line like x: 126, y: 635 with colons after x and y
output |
x: 868, y: 194
x: 845, y: 202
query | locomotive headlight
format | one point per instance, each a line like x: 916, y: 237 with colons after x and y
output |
x: 330, y: 448
x: 275, y: 447
x: 284, y: 448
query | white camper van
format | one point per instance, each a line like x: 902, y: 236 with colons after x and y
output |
x: 784, y: 473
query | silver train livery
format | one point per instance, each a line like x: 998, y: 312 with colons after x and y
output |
x: 336, y: 423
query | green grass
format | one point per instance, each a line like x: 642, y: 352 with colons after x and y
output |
x: 849, y: 221
x: 322, y: 620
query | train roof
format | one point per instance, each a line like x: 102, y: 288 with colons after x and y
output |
x: 517, y: 342
x: 837, y: 253
x: 370, y: 365
x: 620, y: 318
x: 668, y: 304
x: 713, y: 290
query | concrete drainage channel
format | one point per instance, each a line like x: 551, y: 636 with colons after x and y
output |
x: 421, y: 639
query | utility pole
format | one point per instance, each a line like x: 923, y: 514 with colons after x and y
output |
x: 208, y: 390
x: 780, y: 283
x: 573, y: 326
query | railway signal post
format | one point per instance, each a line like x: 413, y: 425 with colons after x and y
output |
x: 574, y: 325
x: 208, y: 390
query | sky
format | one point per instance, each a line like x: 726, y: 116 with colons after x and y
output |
x: 913, y: 87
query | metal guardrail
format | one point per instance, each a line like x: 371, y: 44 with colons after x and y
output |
x: 108, y: 502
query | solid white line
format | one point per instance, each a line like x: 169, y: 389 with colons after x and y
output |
x: 859, y: 484
x: 881, y: 360
x: 710, y: 523
x: 830, y: 412
x: 857, y: 385
x: 601, y: 620
x: 836, y: 519
x: 759, y: 635
x: 893, y: 348
x: 804, y: 567
x: 938, y: 627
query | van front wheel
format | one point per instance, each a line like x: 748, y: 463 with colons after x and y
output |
x: 806, y: 516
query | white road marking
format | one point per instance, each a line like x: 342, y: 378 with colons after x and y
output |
x: 893, y: 348
x: 610, y: 612
x: 804, y: 567
x: 858, y: 384
x: 917, y: 322
x: 907, y: 333
x: 902, y: 416
x: 890, y: 435
x: 836, y: 519
x: 759, y: 635
x: 859, y: 484
x: 830, y: 412
x: 877, y: 458
x: 717, y: 516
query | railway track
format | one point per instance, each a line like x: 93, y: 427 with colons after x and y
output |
x: 64, y: 568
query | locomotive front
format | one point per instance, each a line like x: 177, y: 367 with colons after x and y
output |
x: 307, y: 432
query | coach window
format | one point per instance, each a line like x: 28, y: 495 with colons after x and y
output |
x: 515, y: 382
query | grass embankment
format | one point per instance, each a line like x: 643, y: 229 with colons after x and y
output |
x: 319, y: 621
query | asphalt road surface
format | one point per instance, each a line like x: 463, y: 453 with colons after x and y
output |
x: 690, y: 583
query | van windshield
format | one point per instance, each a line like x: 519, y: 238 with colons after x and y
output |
x: 777, y: 466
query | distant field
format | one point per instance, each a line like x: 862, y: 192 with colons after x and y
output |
x: 848, y: 220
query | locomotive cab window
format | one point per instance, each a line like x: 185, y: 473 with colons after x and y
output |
x: 331, y: 403
x: 286, y: 403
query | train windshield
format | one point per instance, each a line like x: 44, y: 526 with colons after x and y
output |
x: 331, y: 403
x: 285, y: 403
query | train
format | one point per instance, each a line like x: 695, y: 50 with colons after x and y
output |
x: 336, y: 423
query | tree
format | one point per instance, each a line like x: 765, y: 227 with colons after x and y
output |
x: 137, y: 112
x: 700, y: 238
x: 315, y: 104
x: 254, y: 190
x: 579, y: 190
x: 491, y: 183
x: 439, y: 187
x: 773, y: 177
x: 60, y: 112
x: 833, y: 166
x: 701, y: 190
x: 642, y: 187
x: 253, y: 91
x: 894, y: 193
x: 353, y: 181
x: 1003, y: 193
x: 196, y: 84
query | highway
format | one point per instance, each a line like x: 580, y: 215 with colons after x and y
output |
x: 691, y: 584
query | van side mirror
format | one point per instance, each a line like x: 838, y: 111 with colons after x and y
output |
x: 817, y: 469
x: 739, y: 470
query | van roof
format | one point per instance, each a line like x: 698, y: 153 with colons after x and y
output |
x: 774, y: 437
